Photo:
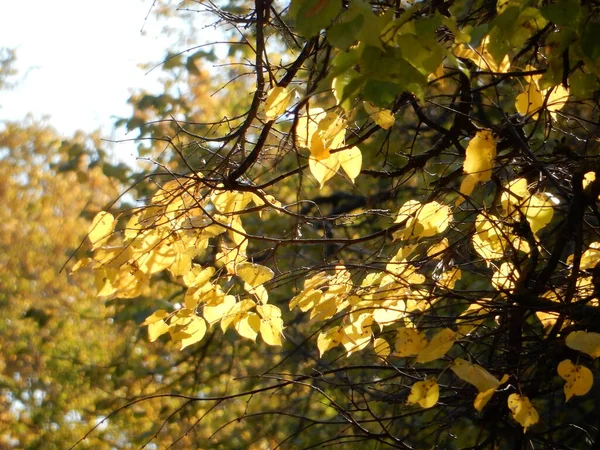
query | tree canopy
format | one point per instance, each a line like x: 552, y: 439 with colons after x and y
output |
x: 363, y: 224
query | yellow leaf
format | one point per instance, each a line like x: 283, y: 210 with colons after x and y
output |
x: 196, y: 329
x: 579, y: 379
x: 214, y: 313
x: 278, y: 99
x: 271, y: 324
x: 248, y: 326
x: 437, y: 249
x: 307, y: 126
x: 198, y: 276
x: 425, y: 393
x: 324, y: 169
x: 382, y: 348
x: 480, y: 155
x: 438, y: 346
x: 329, y: 339
x: 479, y: 161
x: 530, y: 101
x: 409, y: 342
x: 468, y: 320
x: 482, y: 57
x: 539, y: 211
x: 407, y: 210
x: 588, y: 179
x: 582, y: 341
x: 476, y: 375
x: 254, y: 274
x: 155, y: 317
x: 522, y: 410
x: 382, y: 117
x: 505, y: 278
x: 430, y: 219
x: 351, y: 162
x: 236, y: 312
x: 449, y: 278
x: 557, y: 99
x: 101, y: 228
x: 156, y: 329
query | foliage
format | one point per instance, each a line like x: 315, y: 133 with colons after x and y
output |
x: 441, y: 289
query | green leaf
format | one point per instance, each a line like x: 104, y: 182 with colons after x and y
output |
x: 343, y: 35
x: 315, y: 15
x: 565, y: 13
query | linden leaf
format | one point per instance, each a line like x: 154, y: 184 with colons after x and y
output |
x: 271, y: 324
x: 479, y: 161
x: 557, y: 99
x: 539, y: 211
x: 382, y: 117
x: 425, y: 393
x: 155, y: 317
x: 480, y: 155
x: 579, y: 379
x: 523, y: 411
x: 382, y: 348
x: 437, y: 249
x: 307, y: 125
x: 582, y: 341
x: 254, y: 274
x: 214, y: 313
x: 476, y: 375
x: 438, y: 346
x: 324, y: 169
x: 329, y: 339
x: 504, y: 279
x: 196, y: 329
x: 588, y: 178
x: 351, y: 162
x: 157, y: 329
x: 329, y: 135
x: 248, y: 326
x: 484, y: 397
x: 278, y: 99
x: 529, y: 101
x: 430, y: 219
x: 101, y: 228
x: 409, y: 342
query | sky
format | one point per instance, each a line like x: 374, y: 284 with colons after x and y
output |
x: 78, y: 61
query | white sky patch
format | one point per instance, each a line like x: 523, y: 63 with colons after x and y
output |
x: 78, y: 62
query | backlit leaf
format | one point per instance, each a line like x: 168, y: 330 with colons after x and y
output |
x: 382, y: 348
x: 425, y: 393
x: 578, y: 379
x: 381, y: 116
x: 101, y: 229
x: 438, y: 346
x: 351, y: 162
x: 254, y: 274
x: 156, y: 329
x: 522, y: 410
x: 409, y: 342
x: 582, y: 341
x: 278, y: 99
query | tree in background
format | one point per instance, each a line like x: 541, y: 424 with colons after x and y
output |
x: 399, y: 199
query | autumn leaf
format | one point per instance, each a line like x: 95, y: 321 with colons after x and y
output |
x: 381, y: 116
x: 425, y: 393
x: 578, y: 379
x: 522, y: 411
x: 582, y: 341
x: 438, y: 346
x: 479, y: 161
x: 278, y: 99
x: 101, y: 229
